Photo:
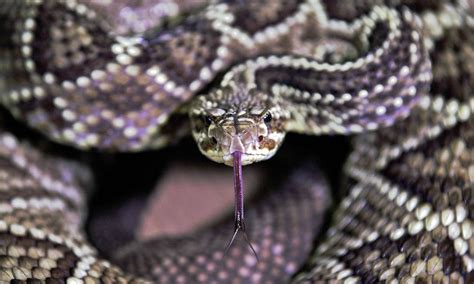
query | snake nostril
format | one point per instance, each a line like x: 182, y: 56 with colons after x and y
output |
x: 214, y: 140
x: 260, y: 138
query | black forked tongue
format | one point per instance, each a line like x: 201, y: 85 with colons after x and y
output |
x: 239, y: 224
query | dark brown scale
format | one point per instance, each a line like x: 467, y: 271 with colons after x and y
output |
x: 455, y: 196
x: 441, y: 202
x: 446, y: 249
x: 27, y: 262
x: 421, y: 280
x: 59, y: 273
x: 439, y: 234
x: 412, y: 257
x: 345, y: 10
x: 55, y: 281
x: 469, y: 276
x: 252, y: 16
x: 451, y: 264
x: 390, y: 250
x: 350, y: 256
x: 423, y: 239
x: 427, y: 252
x: 359, y: 267
x: 404, y: 271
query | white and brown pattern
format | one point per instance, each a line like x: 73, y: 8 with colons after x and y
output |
x: 86, y: 79
x: 409, y: 214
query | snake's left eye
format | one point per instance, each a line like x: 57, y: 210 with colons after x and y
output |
x: 267, y: 118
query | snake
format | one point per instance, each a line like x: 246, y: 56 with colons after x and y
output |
x: 397, y: 75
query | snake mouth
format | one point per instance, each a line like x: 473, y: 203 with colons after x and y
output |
x: 247, y: 158
x: 227, y: 159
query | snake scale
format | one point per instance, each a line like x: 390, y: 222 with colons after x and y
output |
x: 398, y: 74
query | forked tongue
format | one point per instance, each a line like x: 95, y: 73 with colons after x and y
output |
x: 239, y: 224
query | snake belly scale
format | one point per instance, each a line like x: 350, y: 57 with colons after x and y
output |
x: 239, y: 75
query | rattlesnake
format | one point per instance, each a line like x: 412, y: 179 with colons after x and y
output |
x: 314, y: 67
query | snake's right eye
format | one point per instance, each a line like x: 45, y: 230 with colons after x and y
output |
x: 207, y: 120
x: 267, y: 118
x: 201, y: 122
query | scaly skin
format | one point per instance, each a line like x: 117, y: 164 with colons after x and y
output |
x: 408, y: 214
x: 43, y: 205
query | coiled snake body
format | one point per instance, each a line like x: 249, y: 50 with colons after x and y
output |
x: 399, y: 72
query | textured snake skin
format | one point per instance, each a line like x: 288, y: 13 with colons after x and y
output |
x: 122, y: 90
x: 408, y: 217
x: 42, y: 238
x: 96, y: 82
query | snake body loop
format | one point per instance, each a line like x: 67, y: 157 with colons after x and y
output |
x: 240, y: 75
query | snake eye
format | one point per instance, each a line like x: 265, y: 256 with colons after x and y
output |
x: 268, y: 118
x: 201, y: 122
x: 207, y: 120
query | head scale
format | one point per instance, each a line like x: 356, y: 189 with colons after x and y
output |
x: 238, y: 118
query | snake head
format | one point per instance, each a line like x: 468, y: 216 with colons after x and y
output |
x: 225, y: 121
